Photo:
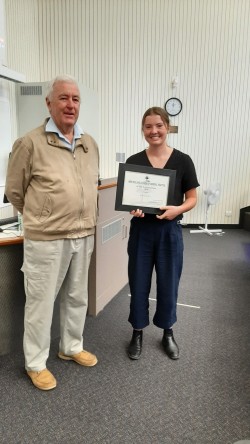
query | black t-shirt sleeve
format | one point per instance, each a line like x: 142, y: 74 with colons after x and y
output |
x: 189, y: 179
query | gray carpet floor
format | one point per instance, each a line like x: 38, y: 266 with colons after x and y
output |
x: 203, y: 398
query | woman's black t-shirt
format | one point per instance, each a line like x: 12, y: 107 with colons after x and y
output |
x: 182, y: 163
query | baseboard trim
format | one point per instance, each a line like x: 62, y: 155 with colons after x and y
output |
x: 212, y: 226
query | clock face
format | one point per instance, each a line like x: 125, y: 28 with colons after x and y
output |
x: 173, y: 106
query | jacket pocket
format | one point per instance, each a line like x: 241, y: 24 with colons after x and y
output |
x: 45, y: 209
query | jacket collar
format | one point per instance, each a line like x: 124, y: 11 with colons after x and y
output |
x: 53, y: 139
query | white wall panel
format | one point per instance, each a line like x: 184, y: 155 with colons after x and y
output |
x: 23, y: 52
x: 129, y: 51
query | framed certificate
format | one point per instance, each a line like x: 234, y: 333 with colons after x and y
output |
x: 142, y: 187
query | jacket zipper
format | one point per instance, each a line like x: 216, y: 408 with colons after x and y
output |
x: 81, y: 188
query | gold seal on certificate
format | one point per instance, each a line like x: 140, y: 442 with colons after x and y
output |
x: 142, y: 187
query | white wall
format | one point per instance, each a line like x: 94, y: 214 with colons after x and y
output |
x: 129, y: 51
x: 5, y: 144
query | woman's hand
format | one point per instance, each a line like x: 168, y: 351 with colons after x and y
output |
x: 137, y: 213
x: 170, y: 212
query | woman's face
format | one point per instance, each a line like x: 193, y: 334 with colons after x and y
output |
x: 155, y: 130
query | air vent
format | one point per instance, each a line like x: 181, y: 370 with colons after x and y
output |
x: 31, y: 90
x: 111, y: 230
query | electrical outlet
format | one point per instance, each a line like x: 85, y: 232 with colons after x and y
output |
x: 228, y: 213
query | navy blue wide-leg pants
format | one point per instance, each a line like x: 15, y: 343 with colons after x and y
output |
x: 154, y: 243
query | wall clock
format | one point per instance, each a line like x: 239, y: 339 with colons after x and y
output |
x: 173, y: 106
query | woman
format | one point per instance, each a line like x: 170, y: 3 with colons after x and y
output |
x: 155, y: 241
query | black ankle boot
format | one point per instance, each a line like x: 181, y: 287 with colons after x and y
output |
x: 135, y: 346
x: 169, y: 344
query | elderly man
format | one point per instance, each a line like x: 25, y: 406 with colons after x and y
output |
x: 52, y: 180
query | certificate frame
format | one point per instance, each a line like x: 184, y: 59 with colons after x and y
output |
x: 146, y: 188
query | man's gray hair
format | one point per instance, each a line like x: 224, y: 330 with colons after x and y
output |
x: 61, y: 78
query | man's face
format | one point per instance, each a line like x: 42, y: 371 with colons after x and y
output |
x: 64, y: 105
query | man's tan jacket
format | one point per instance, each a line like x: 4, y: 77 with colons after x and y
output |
x: 54, y: 188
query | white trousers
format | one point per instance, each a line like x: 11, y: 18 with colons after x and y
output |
x: 51, y: 268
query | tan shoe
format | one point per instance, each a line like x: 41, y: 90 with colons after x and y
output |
x: 83, y: 358
x: 44, y: 380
